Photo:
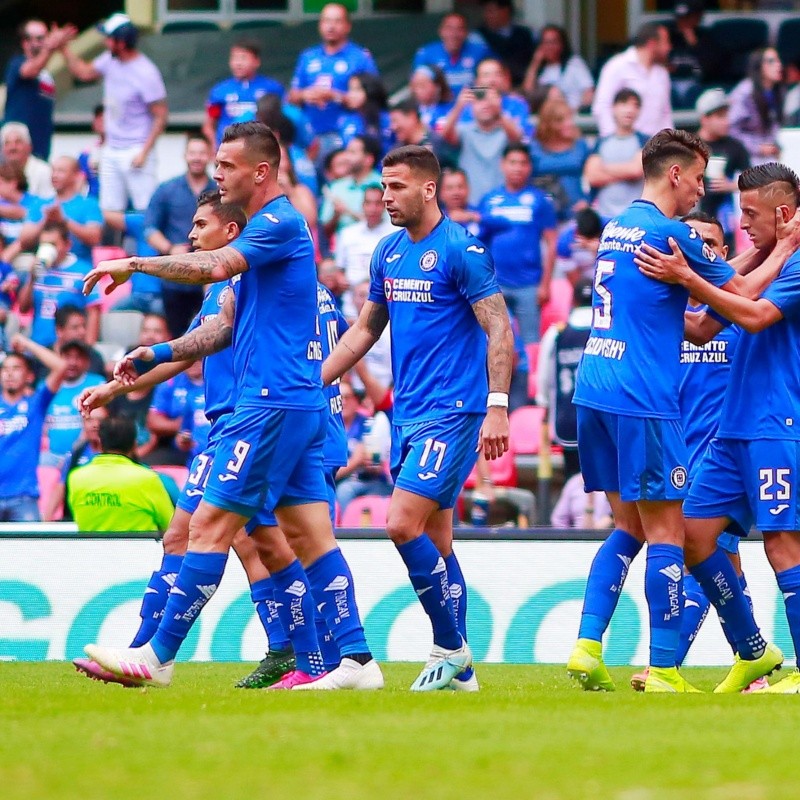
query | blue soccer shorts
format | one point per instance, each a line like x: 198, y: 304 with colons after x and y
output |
x: 748, y: 482
x: 641, y: 458
x: 200, y: 469
x: 269, y: 520
x: 433, y: 459
x: 269, y: 457
x: 729, y: 539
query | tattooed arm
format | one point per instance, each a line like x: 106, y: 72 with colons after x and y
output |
x: 212, y: 336
x: 356, y: 342
x: 204, y: 266
x: 492, y: 315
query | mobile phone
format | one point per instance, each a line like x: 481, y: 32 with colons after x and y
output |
x: 479, y: 92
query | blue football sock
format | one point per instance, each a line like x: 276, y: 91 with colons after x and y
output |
x: 746, y: 590
x: 332, y: 585
x: 155, y: 598
x: 428, y: 575
x: 723, y: 624
x: 721, y: 585
x: 695, y: 611
x: 331, y: 656
x: 458, y: 594
x: 789, y: 584
x: 198, y: 579
x: 296, y: 612
x: 663, y: 588
x: 262, y: 594
x: 604, y: 585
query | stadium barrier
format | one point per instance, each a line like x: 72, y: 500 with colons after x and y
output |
x: 60, y: 590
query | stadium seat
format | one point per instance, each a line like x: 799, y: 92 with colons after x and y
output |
x: 110, y: 351
x: 532, y: 351
x: 788, y: 42
x: 48, y: 478
x: 369, y: 511
x: 189, y: 26
x: 504, y: 470
x: 557, y: 308
x: 736, y: 39
x: 526, y: 429
x: 121, y: 327
x: 177, y: 473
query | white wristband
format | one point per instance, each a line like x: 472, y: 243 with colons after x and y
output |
x: 497, y: 399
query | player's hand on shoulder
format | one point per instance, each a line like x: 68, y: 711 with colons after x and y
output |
x: 665, y: 267
x: 788, y: 231
x: 132, y: 365
x: 493, y: 439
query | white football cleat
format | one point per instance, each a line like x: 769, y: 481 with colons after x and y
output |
x: 135, y: 663
x: 443, y: 665
x: 465, y: 685
x: 348, y: 675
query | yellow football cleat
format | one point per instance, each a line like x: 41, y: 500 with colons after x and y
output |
x: 789, y: 685
x: 667, y: 680
x: 744, y: 672
x: 586, y: 667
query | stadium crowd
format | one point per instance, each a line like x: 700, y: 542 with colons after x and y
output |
x: 496, y: 105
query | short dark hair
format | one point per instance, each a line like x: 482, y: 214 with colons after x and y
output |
x: 706, y: 218
x: 588, y: 223
x: 9, y: 172
x: 769, y: 174
x: 647, y: 32
x: 328, y: 160
x: 373, y: 187
x: 669, y: 146
x: 23, y: 25
x: 63, y: 313
x: 416, y: 158
x: 252, y: 46
x: 227, y: 212
x: 27, y: 360
x: 407, y: 106
x: 516, y: 147
x: 623, y: 95
x: 117, y: 434
x: 258, y: 138
x: 59, y: 226
x: 196, y: 136
x: 372, y: 147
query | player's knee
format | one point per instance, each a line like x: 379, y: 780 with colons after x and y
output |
x: 782, y: 549
x: 176, y: 540
x: 399, y: 529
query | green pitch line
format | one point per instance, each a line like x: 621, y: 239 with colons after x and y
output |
x: 528, y: 734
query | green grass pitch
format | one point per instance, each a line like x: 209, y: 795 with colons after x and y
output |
x: 528, y: 734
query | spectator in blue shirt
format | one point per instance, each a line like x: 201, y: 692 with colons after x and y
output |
x: 56, y: 280
x: 516, y: 218
x: 22, y: 414
x: 16, y: 206
x: 166, y: 415
x: 192, y: 437
x: 456, y: 53
x: 168, y: 221
x: 89, y: 159
x: 319, y: 84
x: 9, y: 283
x: 235, y: 98
x: 81, y: 214
x: 63, y: 423
x: 367, y: 111
x: 30, y: 88
x: 432, y: 94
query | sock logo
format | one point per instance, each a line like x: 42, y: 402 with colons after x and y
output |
x: 787, y: 595
x: 169, y: 578
x: 455, y: 590
x: 673, y: 572
x: 207, y: 590
x: 298, y: 589
x: 422, y: 591
x: 338, y: 584
x: 176, y: 590
x: 723, y: 587
x: 440, y: 567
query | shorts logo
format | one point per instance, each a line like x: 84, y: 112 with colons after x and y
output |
x: 678, y: 477
x: 428, y: 260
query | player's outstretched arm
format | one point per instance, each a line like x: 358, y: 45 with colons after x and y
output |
x: 356, y: 342
x: 202, y: 266
x: 492, y: 314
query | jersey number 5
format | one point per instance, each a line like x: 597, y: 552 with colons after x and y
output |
x: 602, y: 313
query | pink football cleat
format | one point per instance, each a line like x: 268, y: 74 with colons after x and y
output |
x: 294, y: 678
x: 91, y: 669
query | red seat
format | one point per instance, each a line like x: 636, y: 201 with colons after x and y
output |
x: 503, y: 470
x: 178, y: 474
x: 532, y: 351
x: 369, y: 511
x: 49, y: 478
x: 107, y: 253
x: 526, y: 429
x: 557, y: 308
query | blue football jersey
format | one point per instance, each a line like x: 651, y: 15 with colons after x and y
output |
x: 460, y: 72
x: 234, y: 100
x: 438, y: 346
x: 277, y: 352
x: 631, y: 362
x: 763, y: 399
x: 220, y: 386
x: 704, y: 376
x: 332, y: 325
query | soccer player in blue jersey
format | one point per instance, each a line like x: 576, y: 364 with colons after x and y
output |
x: 705, y: 371
x: 749, y: 472
x: 270, y: 453
x: 630, y: 439
x: 436, y: 284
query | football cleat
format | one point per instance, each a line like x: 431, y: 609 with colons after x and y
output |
x: 136, y: 663
x: 639, y: 679
x: 91, y: 669
x: 294, y: 678
x: 442, y: 666
x: 744, y: 672
x: 272, y: 668
x: 667, y: 680
x: 586, y: 667
x: 757, y: 686
x: 348, y: 675
x: 789, y: 685
x: 461, y: 684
